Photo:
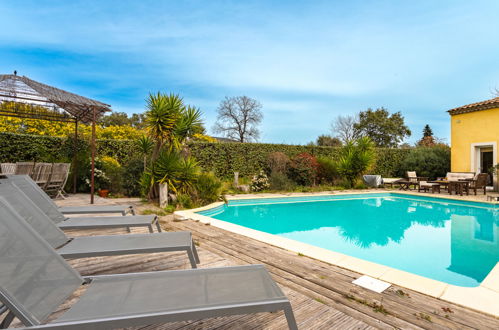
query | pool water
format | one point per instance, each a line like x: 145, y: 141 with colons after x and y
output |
x: 451, y: 241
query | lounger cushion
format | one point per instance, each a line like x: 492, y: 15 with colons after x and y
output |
x: 95, y: 209
x: 103, y: 222
x: 168, y: 292
x: 92, y: 246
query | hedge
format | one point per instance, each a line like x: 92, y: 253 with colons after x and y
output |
x: 247, y: 158
x: 39, y: 148
x: 221, y: 158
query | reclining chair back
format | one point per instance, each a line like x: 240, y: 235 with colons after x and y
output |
x: 37, y: 196
x: 34, y: 279
x: 32, y: 214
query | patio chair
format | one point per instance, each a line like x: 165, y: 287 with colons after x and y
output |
x: 22, y: 189
x: 479, y: 182
x: 414, y: 179
x: 24, y: 168
x: 41, y: 174
x: 40, y: 198
x: 7, y: 168
x: 35, y: 281
x: 95, y: 246
x: 58, y: 179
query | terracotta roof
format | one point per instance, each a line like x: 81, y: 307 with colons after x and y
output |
x: 22, y: 89
x: 484, y: 105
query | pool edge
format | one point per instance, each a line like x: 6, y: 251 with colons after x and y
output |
x: 482, y: 298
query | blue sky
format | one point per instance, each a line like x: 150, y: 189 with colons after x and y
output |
x: 305, y: 61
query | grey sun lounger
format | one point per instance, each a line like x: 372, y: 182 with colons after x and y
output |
x: 37, y: 196
x: 85, y: 209
x: 35, y: 281
x: 94, y: 246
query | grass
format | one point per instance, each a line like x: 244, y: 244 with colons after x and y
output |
x: 378, y: 308
x: 158, y: 212
x: 319, y: 300
x: 423, y: 316
x: 402, y: 293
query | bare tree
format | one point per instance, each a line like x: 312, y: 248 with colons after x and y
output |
x: 343, y: 127
x: 238, y: 118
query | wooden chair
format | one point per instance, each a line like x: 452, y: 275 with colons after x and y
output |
x: 479, y: 182
x: 41, y: 174
x: 414, y: 179
x: 8, y: 168
x: 58, y: 178
x: 24, y: 168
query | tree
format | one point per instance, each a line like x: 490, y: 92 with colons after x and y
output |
x: 145, y: 145
x: 384, y: 129
x: 328, y: 141
x: 427, y: 140
x: 427, y: 131
x: 343, y: 127
x: 114, y: 119
x: 169, y: 123
x: 238, y: 118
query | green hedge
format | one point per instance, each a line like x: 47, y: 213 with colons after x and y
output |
x: 247, y: 158
x: 221, y: 158
x: 38, y: 148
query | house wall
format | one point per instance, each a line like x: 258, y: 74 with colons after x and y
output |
x: 470, y: 131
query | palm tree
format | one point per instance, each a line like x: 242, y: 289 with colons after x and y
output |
x: 162, y: 116
x: 356, y: 157
x: 170, y: 123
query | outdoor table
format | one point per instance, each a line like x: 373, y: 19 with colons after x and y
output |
x: 458, y: 187
x: 406, y: 185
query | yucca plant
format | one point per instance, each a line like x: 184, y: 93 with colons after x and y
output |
x: 179, y: 173
x: 145, y: 145
x: 169, y: 123
x: 161, y: 118
x: 356, y: 158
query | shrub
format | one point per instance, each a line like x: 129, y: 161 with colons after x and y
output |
x: 356, y: 157
x: 431, y: 162
x: 260, y: 182
x: 280, y: 181
x: 208, y: 188
x: 303, y: 169
x: 327, y: 171
x: 185, y: 201
x: 132, y: 173
x: 278, y: 162
x: 113, y: 171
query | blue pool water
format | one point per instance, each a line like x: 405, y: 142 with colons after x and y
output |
x: 451, y: 241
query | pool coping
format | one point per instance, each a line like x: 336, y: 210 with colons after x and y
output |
x: 482, y: 298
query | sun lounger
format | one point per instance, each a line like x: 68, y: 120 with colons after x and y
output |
x: 37, y: 197
x: 87, y: 209
x: 94, y: 246
x: 35, y: 281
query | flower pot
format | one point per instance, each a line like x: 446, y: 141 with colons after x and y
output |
x: 103, y: 192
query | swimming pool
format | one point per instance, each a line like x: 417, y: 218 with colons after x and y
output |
x: 455, y: 242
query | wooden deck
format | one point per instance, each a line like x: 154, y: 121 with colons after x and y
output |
x: 322, y: 295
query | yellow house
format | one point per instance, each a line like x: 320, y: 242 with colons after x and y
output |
x: 474, y: 137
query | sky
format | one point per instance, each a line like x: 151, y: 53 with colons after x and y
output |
x: 306, y: 61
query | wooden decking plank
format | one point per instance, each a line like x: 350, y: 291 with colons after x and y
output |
x: 423, y: 304
x: 338, y: 301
